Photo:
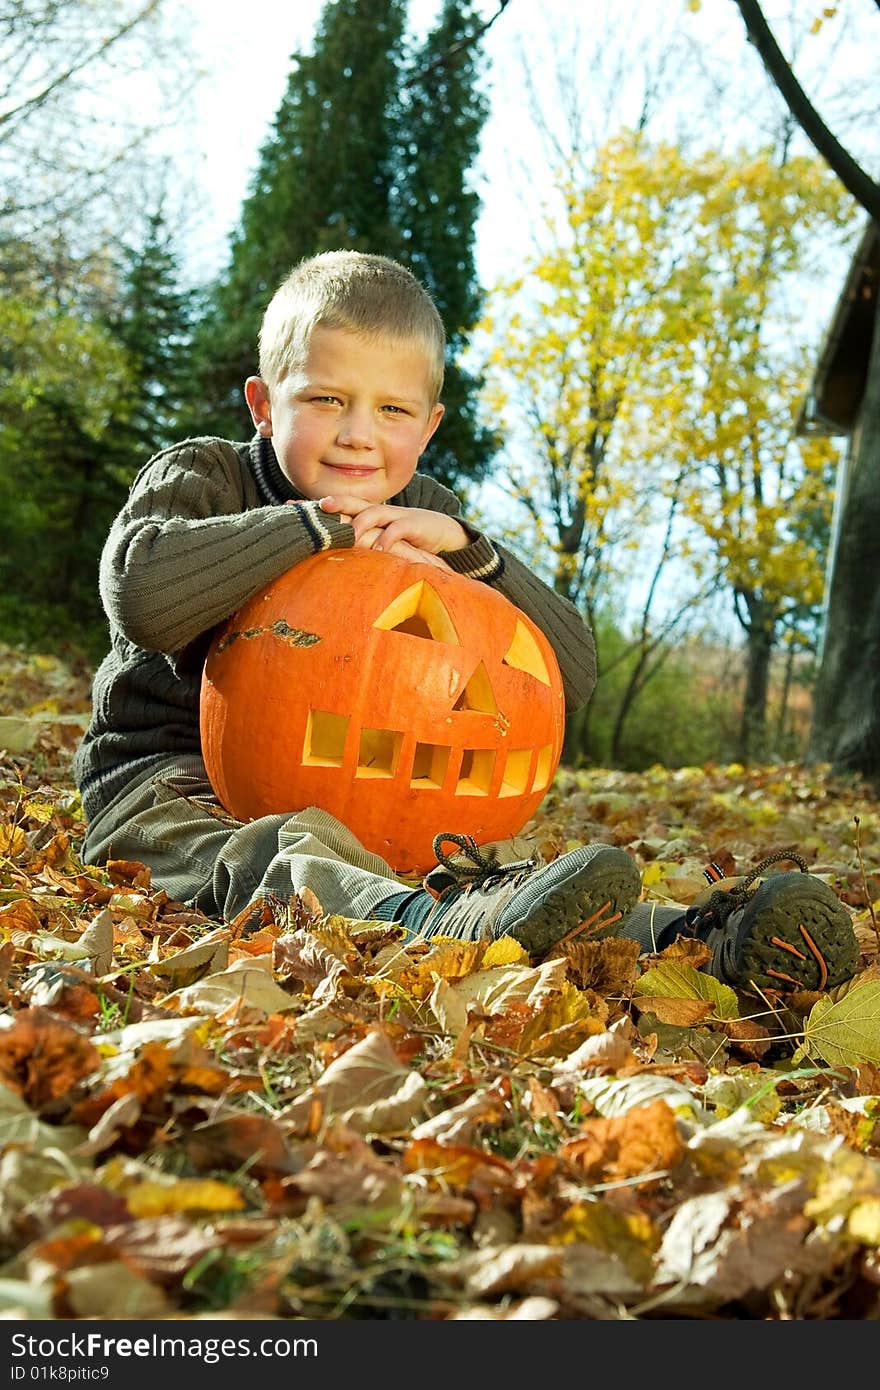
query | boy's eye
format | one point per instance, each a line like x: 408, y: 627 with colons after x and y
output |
x: 330, y: 400
x: 395, y: 409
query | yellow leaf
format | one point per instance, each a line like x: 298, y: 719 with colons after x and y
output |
x: 12, y: 840
x: 505, y: 951
x: 656, y: 872
x: 632, y: 1236
x: 673, y: 980
x: 846, y: 1033
x: 187, y: 1194
x: 864, y: 1221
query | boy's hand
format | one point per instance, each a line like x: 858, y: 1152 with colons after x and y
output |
x: 378, y: 526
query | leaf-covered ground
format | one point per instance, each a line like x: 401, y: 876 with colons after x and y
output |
x: 296, y: 1116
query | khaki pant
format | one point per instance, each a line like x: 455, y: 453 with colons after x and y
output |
x: 172, y: 822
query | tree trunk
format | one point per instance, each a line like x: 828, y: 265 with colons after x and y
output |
x: 753, y: 726
x: 785, y: 696
x: 846, y: 704
x: 577, y: 740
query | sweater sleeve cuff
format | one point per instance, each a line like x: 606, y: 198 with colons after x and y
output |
x: 326, y: 530
x: 479, y: 560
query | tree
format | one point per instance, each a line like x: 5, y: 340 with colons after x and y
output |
x: 76, y: 392
x: 757, y: 484
x: 846, y: 726
x: 435, y: 208
x: 71, y: 154
x: 87, y: 393
x: 323, y: 181
x: 370, y: 150
x: 649, y: 374
x: 62, y: 379
x: 151, y: 317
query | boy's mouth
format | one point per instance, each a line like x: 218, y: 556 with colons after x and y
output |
x: 355, y: 470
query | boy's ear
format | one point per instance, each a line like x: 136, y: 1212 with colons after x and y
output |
x: 434, y: 419
x: 256, y: 393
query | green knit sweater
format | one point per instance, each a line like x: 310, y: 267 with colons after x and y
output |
x: 203, y: 529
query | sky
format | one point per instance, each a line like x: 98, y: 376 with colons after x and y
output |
x: 245, y: 67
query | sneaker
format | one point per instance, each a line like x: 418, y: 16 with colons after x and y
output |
x: 588, y: 891
x: 790, y: 931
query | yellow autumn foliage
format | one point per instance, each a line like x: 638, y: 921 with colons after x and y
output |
x: 652, y: 363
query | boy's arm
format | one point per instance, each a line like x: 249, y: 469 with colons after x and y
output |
x: 493, y: 564
x: 185, y: 552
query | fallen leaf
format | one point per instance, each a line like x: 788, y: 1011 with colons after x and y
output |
x: 44, y: 1059
x: 846, y: 1033
x: 113, y: 1290
x: 246, y: 984
x: 642, y: 1143
x: 672, y: 980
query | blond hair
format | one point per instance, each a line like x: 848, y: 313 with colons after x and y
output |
x: 359, y: 293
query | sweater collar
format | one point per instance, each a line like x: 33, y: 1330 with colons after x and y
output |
x: 272, y: 484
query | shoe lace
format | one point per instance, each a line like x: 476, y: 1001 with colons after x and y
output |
x: 482, y: 870
x: 724, y: 901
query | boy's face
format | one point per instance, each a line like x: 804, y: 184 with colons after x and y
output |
x: 353, y: 419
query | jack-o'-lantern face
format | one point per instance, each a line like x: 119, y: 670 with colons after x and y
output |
x: 404, y: 699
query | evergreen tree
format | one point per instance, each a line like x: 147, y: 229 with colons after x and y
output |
x: 370, y: 150
x: 88, y: 386
x: 64, y: 381
x: 442, y: 113
x: 323, y: 183
x: 153, y: 322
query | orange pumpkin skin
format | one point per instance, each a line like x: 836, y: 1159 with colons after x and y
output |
x: 404, y: 699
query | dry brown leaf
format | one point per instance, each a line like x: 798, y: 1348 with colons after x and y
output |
x: 458, y: 1124
x: 44, y: 1059
x: 20, y: 915
x: 302, y: 955
x: 458, y: 1166
x: 683, y: 1013
x: 338, y: 1179
x: 238, y: 1139
x: 749, y: 1036
x: 644, y: 1140
x: 147, y: 1077
x: 204, y: 957
x: 161, y: 1248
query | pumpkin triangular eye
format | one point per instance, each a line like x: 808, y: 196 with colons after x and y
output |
x: 419, y: 612
x: 524, y: 654
x: 478, y: 694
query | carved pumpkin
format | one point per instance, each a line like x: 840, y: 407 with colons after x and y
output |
x: 404, y: 699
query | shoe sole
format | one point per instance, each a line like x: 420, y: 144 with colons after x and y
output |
x: 802, y: 937
x: 546, y: 912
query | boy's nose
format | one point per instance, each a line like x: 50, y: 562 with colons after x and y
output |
x: 356, y: 429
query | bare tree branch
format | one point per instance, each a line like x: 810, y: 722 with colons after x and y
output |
x: 40, y: 97
x: 852, y: 175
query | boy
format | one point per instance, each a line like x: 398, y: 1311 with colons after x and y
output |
x: 351, y: 353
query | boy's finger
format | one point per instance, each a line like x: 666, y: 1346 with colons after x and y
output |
x: 351, y: 505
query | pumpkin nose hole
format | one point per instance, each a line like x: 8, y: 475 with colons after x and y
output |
x: 477, y: 694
